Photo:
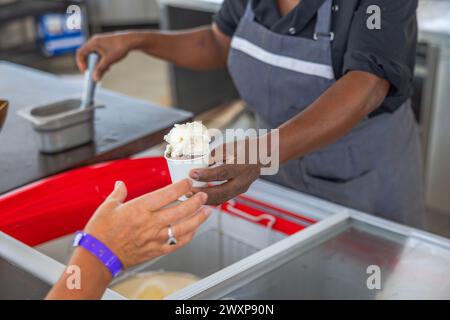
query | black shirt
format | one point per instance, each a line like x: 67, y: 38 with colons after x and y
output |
x: 388, y: 53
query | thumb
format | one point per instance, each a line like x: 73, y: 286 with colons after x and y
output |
x: 119, y: 193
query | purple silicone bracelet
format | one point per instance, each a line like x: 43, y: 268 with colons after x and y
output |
x: 98, y: 249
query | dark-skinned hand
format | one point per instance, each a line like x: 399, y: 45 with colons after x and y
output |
x: 237, y: 176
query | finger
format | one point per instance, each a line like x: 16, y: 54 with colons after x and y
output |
x: 102, y: 66
x: 81, y: 56
x: 222, y: 193
x: 119, y: 194
x: 188, y: 225
x: 173, y: 215
x: 162, y: 197
x: 220, y: 173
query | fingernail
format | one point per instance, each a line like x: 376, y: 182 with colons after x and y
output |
x: 118, y: 184
x: 189, y: 195
x: 195, y: 175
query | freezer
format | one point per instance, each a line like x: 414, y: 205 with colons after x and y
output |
x: 236, y: 230
x: 338, y: 258
x: 26, y: 273
x: 276, y: 243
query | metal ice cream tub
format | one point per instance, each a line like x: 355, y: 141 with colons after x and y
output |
x: 66, y: 124
x: 61, y: 125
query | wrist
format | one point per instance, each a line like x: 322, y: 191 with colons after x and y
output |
x: 139, y: 40
x: 100, y: 251
x: 88, y: 263
x: 94, y: 279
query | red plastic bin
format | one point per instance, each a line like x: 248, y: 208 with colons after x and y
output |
x: 62, y: 204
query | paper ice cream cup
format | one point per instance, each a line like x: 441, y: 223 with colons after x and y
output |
x: 179, y: 169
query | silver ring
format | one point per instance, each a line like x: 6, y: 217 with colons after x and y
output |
x: 171, y: 241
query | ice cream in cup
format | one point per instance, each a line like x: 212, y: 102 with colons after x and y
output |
x: 188, y: 148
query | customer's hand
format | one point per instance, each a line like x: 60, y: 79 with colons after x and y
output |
x: 236, y: 170
x: 112, y: 47
x: 137, y: 231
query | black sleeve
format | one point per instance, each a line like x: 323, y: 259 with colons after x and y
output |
x: 389, y: 52
x: 229, y: 15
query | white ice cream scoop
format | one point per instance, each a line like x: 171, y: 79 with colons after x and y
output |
x: 187, y: 141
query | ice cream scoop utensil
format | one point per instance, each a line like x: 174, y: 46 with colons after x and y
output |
x: 89, y: 83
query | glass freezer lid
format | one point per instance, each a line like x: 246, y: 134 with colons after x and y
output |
x: 339, y: 260
x: 19, y: 284
x: 28, y: 274
x: 219, y: 243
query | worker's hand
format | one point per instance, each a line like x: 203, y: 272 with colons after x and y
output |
x: 112, y: 47
x: 137, y: 231
x: 236, y: 170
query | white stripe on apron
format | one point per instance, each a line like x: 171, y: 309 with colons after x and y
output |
x: 301, y: 66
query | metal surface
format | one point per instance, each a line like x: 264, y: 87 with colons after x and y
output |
x: 124, y: 127
x: 243, y: 271
x: 427, y: 103
x: 413, y: 265
x: 69, y: 123
x: 292, y: 200
x: 17, y: 284
x: 337, y: 269
x: 224, y: 240
x: 238, y: 259
x: 61, y: 125
x: 438, y: 157
x: 25, y: 262
x: 89, y: 83
x: 434, y: 27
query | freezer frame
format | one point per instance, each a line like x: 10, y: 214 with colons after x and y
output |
x: 331, y: 219
x: 37, y: 264
x: 251, y: 268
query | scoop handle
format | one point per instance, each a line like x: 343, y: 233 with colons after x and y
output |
x: 89, y: 83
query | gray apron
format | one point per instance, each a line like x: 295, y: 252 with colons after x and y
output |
x: 376, y: 168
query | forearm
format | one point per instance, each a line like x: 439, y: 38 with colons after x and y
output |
x: 333, y: 115
x: 196, y: 49
x: 94, y: 278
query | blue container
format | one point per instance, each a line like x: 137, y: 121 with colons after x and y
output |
x: 55, y: 37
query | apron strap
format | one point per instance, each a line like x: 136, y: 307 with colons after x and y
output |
x: 249, y: 11
x: 323, y: 24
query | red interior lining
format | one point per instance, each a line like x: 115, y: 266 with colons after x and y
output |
x: 62, y: 204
